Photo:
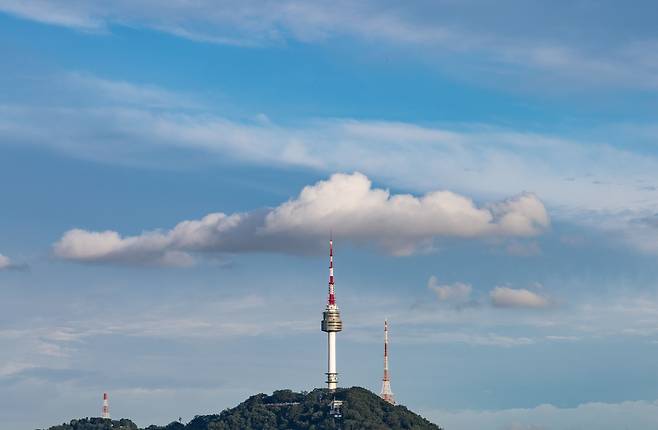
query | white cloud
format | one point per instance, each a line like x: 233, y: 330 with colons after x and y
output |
x: 149, y: 248
x: 5, y: 263
x: 505, y: 297
x: 600, y: 416
x: 458, y: 292
x: 400, y: 224
x: 499, y: 297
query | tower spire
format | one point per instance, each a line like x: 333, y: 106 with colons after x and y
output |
x: 331, y: 324
x: 332, y: 296
x: 386, y: 393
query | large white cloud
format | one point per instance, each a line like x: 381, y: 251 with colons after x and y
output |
x: 348, y: 204
x: 401, y: 222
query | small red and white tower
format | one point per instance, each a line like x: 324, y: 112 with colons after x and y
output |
x: 386, y: 393
x: 106, y: 407
x: 331, y: 324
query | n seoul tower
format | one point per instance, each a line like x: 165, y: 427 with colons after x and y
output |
x: 331, y: 324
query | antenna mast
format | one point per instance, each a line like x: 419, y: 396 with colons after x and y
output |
x: 106, y: 407
x: 386, y: 393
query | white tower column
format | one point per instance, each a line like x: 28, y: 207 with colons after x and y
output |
x: 332, y: 375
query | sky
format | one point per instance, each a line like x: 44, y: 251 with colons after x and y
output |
x: 170, y: 173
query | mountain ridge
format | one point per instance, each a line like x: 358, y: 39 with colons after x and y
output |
x: 287, y: 410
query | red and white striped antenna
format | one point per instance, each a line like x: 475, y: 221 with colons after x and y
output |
x: 106, y: 407
x: 386, y: 393
x: 332, y: 296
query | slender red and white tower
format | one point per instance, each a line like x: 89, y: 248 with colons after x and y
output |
x: 331, y: 324
x: 386, y: 393
x: 106, y: 407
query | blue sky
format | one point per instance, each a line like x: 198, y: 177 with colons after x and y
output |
x: 169, y: 175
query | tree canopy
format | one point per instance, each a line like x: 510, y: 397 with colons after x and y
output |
x: 288, y: 410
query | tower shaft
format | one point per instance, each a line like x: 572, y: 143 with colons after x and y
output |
x: 332, y: 374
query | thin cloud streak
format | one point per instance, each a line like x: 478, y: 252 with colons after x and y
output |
x: 629, y: 414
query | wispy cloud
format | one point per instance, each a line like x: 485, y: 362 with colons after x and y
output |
x: 461, y: 294
x: 125, y: 93
x: 58, y: 343
x: 76, y: 16
x: 449, y: 34
x: 631, y: 414
x: 412, y: 156
x: 7, y: 264
x: 457, y: 292
x: 13, y: 368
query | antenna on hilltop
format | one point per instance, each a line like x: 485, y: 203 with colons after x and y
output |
x: 386, y: 393
x: 106, y: 407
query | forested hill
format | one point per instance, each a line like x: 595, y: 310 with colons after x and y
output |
x: 288, y: 410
